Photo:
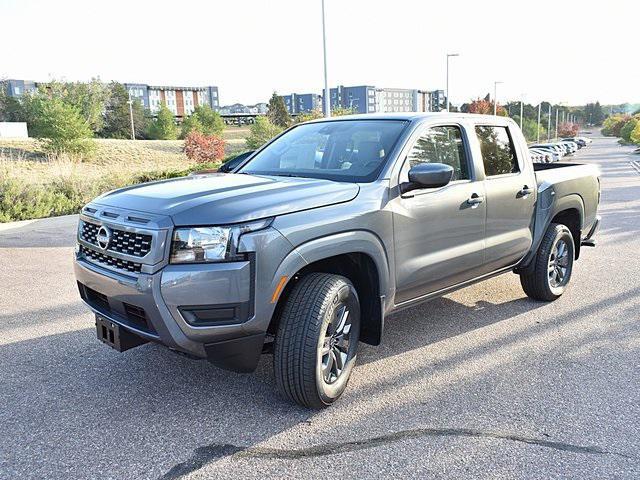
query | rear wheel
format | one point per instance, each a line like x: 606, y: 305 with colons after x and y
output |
x: 317, y: 340
x: 553, y: 265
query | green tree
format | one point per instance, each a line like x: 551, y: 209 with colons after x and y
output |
x: 89, y: 98
x: 530, y: 129
x: 10, y: 107
x: 59, y: 125
x: 261, y: 132
x: 277, y: 112
x: 625, y: 131
x: 204, y: 120
x: 163, y: 127
x: 117, y: 118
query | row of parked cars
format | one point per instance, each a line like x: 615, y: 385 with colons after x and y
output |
x: 554, y: 151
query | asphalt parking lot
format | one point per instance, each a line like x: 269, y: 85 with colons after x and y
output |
x: 482, y: 383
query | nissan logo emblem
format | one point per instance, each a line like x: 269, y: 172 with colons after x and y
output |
x: 103, y: 237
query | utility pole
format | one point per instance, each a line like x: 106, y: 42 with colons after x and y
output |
x: 327, y: 93
x: 495, y: 98
x: 549, y: 125
x: 133, y: 129
x: 539, y: 111
x: 556, y: 124
x: 449, y: 55
x: 521, y: 109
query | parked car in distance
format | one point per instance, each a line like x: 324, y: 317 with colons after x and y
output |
x: 549, y: 156
x: 557, y: 149
x: 323, y: 232
x: 572, y: 147
x: 578, y: 141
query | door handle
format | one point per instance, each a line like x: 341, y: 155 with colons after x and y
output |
x: 474, y: 200
x: 525, y: 191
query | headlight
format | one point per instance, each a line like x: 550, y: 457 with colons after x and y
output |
x: 210, y: 244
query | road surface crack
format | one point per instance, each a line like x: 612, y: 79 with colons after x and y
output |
x: 210, y: 453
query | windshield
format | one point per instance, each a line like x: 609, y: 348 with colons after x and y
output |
x: 342, y: 150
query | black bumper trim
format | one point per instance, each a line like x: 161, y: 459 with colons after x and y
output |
x: 238, y: 355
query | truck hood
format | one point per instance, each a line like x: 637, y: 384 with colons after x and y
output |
x: 220, y: 198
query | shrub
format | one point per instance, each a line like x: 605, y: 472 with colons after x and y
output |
x: 627, y: 128
x: 567, y: 129
x: 635, y: 134
x: 613, y: 124
x: 59, y: 125
x: 308, y: 116
x: 203, y: 148
x: 261, y: 132
x: 204, y: 120
x: 163, y: 127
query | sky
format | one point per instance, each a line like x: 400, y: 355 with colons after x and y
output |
x: 561, y: 51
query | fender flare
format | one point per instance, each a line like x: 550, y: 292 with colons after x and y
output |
x: 548, y: 208
x: 355, y: 241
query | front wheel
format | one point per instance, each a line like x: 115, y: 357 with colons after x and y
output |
x: 317, y: 340
x: 553, y: 265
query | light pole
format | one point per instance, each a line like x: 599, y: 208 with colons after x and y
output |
x: 549, y: 125
x: 521, y: 108
x: 556, y: 124
x: 539, y: 111
x: 133, y: 129
x: 495, y: 97
x: 327, y: 93
x: 449, y: 55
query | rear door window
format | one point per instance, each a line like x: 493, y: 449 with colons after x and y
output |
x: 498, y: 152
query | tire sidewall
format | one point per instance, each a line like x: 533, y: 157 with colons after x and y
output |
x: 561, y: 233
x: 346, y: 294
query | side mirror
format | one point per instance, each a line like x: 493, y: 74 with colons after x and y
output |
x: 428, y: 175
x: 234, y: 162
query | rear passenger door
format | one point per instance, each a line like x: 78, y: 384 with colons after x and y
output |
x: 510, y: 187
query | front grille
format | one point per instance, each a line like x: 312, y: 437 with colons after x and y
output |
x: 105, y: 259
x: 128, y: 243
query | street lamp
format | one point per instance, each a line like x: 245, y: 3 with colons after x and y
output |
x: 449, y: 55
x: 327, y: 94
x: 133, y: 130
x: 495, y: 97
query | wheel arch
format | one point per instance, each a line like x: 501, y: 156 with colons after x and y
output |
x: 567, y: 210
x: 359, y: 256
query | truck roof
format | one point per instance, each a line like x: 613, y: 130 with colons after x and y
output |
x: 417, y: 116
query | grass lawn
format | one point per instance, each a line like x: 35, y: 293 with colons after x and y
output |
x: 33, y: 185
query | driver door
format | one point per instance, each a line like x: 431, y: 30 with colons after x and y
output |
x: 439, y: 232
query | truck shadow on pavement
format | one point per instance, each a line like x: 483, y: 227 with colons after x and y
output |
x: 136, y: 414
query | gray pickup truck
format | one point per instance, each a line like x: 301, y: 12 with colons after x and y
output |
x: 307, y: 245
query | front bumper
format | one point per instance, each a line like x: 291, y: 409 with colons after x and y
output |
x: 189, y: 308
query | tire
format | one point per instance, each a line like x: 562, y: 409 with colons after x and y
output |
x: 308, y: 340
x: 552, y: 266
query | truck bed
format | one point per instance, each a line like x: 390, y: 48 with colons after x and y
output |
x: 559, y: 180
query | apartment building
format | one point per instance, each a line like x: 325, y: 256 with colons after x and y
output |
x: 302, y: 102
x: 180, y: 100
x: 370, y: 99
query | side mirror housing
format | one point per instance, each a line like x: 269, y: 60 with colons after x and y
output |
x: 234, y: 162
x: 428, y: 175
